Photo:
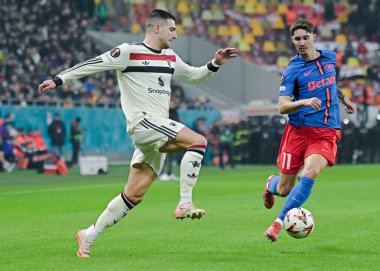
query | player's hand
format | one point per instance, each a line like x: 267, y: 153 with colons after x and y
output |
x: 46, y: 85
x: 224, y: 54
x: 314, y: 103
x: 350, y: 106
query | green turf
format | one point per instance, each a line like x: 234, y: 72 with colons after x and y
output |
x: 39, y: 216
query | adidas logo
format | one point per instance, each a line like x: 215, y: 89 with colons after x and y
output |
x: 145, y: 62
x: 192, y: 176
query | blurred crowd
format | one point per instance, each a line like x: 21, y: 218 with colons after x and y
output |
x: 252, y: 141
x: 38, y: 39
x: 29, y: 150
x: 260, y: 30
x: 26, y: 150
x: 256, y: 141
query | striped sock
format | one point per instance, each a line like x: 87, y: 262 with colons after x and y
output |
x: 116, y: 210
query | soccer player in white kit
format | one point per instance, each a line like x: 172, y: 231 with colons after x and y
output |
x: 144, y: 72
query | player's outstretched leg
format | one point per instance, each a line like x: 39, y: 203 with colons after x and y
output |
x: 116, y: 210
x: 270, y: 191
x: 190, y: 167
x: 297, y: 196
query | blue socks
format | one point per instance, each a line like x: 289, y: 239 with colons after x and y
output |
x: 297, y: 196
x: 272, y: 185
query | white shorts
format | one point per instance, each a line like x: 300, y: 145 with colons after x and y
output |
x: 149, y: 136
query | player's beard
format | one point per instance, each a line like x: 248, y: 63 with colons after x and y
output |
x: 166, y: 45
x: 165, y: 42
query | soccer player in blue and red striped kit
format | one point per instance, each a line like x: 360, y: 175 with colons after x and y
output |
x: 309, y: 95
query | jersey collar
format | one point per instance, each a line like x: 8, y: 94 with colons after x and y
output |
x: 309, y: 61
x: 151, y: 49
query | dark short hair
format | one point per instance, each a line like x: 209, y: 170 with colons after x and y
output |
x: 302, y: 23
x: 158, y: 14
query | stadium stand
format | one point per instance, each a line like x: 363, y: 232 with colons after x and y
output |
x: 40, y: 38
x: 30, y: 40
x: 260, y: 30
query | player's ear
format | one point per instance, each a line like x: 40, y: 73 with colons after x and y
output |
x: 156, y: 28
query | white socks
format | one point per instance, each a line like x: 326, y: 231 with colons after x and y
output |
x: 91, y: 233
x: 190, y: 167
x: 116, y: 210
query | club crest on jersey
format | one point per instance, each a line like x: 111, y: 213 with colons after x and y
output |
x: 329, y: 67
x: 161, y: 81
x: 115, y: 52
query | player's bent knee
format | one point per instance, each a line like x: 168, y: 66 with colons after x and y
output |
x: 200, y: 141
x: 311, y: 172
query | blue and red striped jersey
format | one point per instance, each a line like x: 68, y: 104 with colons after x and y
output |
x: 316, y: 78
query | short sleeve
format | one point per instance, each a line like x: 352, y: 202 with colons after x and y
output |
x: 287, y: 84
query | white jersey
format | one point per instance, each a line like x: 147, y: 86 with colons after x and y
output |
x: 144, y: 77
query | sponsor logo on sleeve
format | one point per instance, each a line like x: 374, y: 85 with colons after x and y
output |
x: 282, y: 88
x: 115, y: 52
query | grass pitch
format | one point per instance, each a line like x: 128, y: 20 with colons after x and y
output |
x: 39, y: 216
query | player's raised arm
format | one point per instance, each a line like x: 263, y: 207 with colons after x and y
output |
x: 224, y: 54
x: 112, y: 60
x: 193, y: 74
x: 46, y: 85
